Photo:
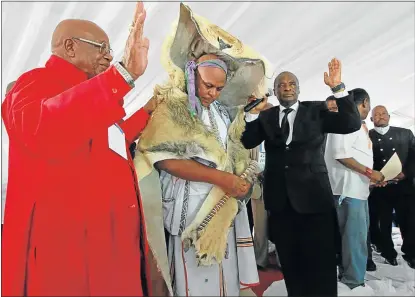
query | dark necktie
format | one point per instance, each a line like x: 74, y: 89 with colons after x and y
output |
x: 285, y: 125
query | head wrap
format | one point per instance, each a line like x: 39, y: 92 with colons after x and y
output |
x: 195, y: 107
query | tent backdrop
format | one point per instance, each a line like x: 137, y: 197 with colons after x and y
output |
x: 374, y: 41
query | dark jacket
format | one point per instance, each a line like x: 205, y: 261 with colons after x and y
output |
x: 399, y: 140
x: 297, y: 172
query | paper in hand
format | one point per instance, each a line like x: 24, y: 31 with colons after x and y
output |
x: 116, y: 141
x: 392, y: 168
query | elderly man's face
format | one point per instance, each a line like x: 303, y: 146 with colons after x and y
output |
x: 332, y: 106
x: 380, y: 116
x: 93, y: 59
x: 210, y: 81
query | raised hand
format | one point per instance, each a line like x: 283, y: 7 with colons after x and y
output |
x: 334, y: 77
x: 135, y: 57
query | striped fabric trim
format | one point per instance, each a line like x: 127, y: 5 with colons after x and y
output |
x: 247, y: 286
x: 185, y: 271
x: 222, y: 282
x: 244, y: 242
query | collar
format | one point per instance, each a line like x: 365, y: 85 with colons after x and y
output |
x: 294, y: 107
x: 72, y: 74
x: 382, y: 130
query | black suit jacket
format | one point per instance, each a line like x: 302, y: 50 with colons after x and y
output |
x: 297, y: 172
x: 399, y: 140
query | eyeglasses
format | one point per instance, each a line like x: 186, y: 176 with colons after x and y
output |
x: 104, y: 48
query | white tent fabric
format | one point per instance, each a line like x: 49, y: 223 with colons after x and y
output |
x: 374, y: 41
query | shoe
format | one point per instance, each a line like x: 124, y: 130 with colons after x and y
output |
x: 370, y: 265
x: 410, y: 261
x: 391, y: 261
x: 376, y: 248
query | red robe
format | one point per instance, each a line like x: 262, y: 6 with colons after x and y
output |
x: 73, y: 221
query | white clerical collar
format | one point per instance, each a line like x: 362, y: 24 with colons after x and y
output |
x: 294, y: 107
x: 382, y: 130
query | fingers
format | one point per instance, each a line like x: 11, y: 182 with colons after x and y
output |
x: 326, y: 76
x: 335, y: 64
x: 251, y: 98
x: 136, y: 33
x: 139, y: 8
x: 145, y: 43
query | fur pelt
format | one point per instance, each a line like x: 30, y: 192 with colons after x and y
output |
x: 172, y: 133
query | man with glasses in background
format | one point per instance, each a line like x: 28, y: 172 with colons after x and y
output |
x: 74, y: 223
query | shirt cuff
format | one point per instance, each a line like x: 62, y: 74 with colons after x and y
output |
x: 249, y: 117
x: 341, y: 155
x: 341, y: 94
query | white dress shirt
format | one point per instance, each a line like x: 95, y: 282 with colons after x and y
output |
x: 382, y: 130
x: 291, y: 116
x: 345, y: 181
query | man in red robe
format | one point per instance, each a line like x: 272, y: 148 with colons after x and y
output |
x: 74, y: 224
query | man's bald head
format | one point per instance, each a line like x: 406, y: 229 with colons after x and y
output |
x: 380, y: 116
x: 209, y: 80
x: 10, y: 86
x: 85, y: 56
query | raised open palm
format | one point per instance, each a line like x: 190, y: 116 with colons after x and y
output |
x: 135, y: 57
x: 334, y: 77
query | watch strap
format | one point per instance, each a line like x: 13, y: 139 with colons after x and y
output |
x: 338, y: 88
x: 124, y: 73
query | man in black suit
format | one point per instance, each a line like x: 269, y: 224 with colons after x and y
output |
x: 400, y: 196
x: 297, y: 190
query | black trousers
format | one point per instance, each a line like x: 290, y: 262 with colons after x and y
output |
x: 382, y: 201
x: 306, y: 247
x: 250, y: 215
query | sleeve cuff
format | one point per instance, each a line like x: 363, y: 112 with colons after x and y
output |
x: 341, y: 155
x: 342, y: 94
x: 116, y: 83
x: 249, y: 117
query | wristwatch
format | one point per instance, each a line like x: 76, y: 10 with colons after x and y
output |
x: 124, y: 73
x: 338, y: 88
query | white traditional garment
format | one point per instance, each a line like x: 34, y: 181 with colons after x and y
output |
x: 182, y: 201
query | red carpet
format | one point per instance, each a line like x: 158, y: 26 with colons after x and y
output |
x: 267, y: 277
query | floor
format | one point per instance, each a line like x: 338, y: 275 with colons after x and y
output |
x: 387, y: 280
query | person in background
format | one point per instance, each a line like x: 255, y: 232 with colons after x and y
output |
x: 73, y: 220
x: 332, y: 107
x: 132, y: 149
x: 399, y: 194
x: 331, y: 102
x: 349, y: 161
x: 8, y: 88
x: 297, y: 191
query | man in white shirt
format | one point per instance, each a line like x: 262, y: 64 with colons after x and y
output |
x: 349, y: 160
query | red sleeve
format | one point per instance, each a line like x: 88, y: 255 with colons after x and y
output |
x: 53, y: 123
x: 133, y: 126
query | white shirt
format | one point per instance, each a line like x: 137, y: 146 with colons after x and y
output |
x: 382, y: 130
x: 291, y: 116
x: 345, y: 181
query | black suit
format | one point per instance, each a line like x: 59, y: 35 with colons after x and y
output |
x: 297, y: 192
x: 400, y: 196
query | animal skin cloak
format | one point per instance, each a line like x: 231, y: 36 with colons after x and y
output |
x: 173, y: 133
